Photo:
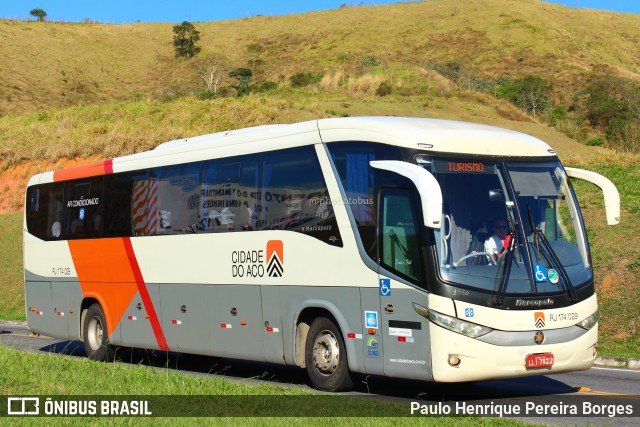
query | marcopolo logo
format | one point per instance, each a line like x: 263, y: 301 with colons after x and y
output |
x: 275, y: 257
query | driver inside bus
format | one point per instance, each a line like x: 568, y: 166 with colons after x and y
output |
x: 499, y: 241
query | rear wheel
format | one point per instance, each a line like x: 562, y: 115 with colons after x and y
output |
x: 326, y: 356
x: 96, y: 341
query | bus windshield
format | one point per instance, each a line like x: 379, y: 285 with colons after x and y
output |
x: 509, y: 228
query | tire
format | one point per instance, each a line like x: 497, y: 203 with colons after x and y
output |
x: 96, y: 341
x: 326, y: 357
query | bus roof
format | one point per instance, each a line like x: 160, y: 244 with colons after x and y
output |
x: 435, y: 135
x: 430, y: 135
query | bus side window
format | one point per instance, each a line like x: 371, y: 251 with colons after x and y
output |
x: 174, y: 198
x: 295, y: 196
x: 399, y: 234
x: 84, y: 207
x: 229, y: 194
x: 125, y: 204
x: 44, y: 211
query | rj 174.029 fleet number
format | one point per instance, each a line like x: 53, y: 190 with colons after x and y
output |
x: 61, y: 271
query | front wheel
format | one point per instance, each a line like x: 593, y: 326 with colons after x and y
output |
x: 326, y: 356
x: 96, y: 341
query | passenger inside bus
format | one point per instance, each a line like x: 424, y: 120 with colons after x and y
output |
x: 478, y: 238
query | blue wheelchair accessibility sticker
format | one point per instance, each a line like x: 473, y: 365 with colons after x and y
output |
x: 385, y: 287
x: 541, y: 273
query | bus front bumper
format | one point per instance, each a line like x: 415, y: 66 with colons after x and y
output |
x: 482, y: 361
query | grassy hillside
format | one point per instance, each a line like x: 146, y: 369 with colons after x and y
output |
x: 52, y: 65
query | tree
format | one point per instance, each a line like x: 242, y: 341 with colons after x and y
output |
x: 38, y: 13
x: 185, y: 37
x: 531, y: 93
x: 211, y: 73
x: 244, y: 76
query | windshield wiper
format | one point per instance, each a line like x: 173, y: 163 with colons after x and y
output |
x: 539, y: 236
x: 507, y: 258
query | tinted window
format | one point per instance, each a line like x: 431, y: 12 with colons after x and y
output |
x: 399, y: 234
x: 361, y: 182
x: 45, y: 211
x: 294, y: 195
x: 229, y: 194
x: 125, y: 207
x: 84, y: 207
x: 278, y: 190
x: 174, y: 199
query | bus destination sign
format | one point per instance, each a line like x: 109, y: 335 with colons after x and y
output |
x: 449, y: 166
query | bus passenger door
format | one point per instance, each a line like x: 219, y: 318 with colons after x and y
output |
x: 405, y: 333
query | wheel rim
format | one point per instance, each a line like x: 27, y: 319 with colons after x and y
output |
x: 95, y: 333
x: 326, y: 353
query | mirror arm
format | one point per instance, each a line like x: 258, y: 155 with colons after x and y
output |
x: 427, y: 185
x: 611, y: 195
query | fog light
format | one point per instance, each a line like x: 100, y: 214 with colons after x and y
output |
x: 595, y: 350
x: 454, y: 360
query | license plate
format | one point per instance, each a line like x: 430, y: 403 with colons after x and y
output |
x: 540, y: 360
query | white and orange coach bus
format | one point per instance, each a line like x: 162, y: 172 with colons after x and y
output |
x: 346, y: 246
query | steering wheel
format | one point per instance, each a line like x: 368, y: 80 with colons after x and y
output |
x: 475, y: 254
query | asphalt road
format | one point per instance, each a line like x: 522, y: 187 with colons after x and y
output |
x: 618, y: 386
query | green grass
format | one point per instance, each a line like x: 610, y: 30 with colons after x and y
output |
x: 11, y: 273
x: 615, y: 253
x: 69, y: 376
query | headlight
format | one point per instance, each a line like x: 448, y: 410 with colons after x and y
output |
x: 459, y: 326
x: 589, y: 322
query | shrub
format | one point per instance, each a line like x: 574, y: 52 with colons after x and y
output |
x: 204, y: 94
x: 595, y: 142
x: 172, y: 93
x: 244, y: 76
x: 365, y: 84
x: 556, y: 115
x: 529, y: 93
x: 368, y: 61
x: 267, y: 86
x: 453, y: 70
x: 301, y: 79
x: 331, y: 82
x: 384, y: 89
x: 336, y: 113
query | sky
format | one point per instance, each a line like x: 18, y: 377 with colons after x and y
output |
x: 121, y: 11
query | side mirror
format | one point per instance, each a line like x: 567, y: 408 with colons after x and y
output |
x: 611, y: 195
x: 427, y: 185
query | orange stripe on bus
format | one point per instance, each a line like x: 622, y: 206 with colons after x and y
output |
x: 104, y: 271
x: 144, y: 294
x: 102, y: 168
